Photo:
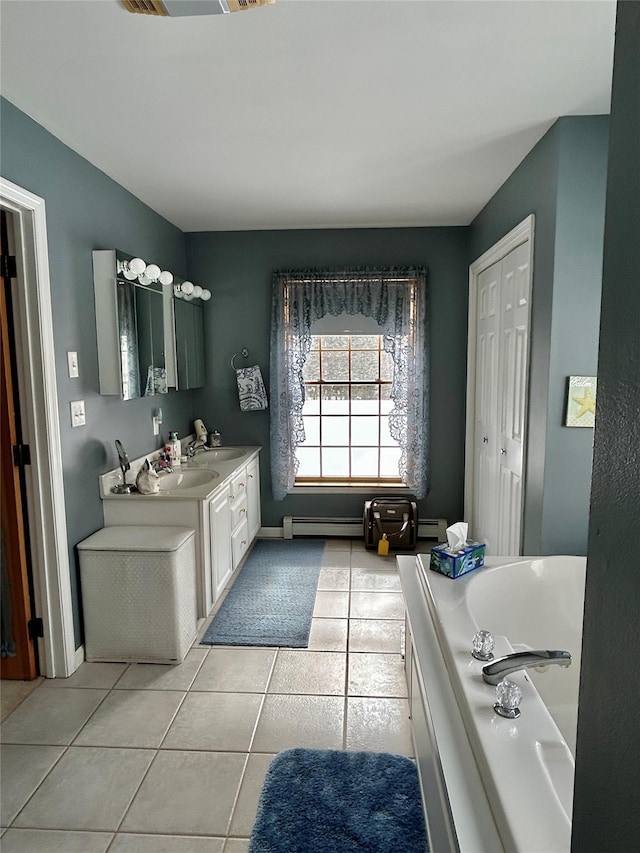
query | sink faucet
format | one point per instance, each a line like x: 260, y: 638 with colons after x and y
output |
x: 494, y: 672
x: 195, y: 446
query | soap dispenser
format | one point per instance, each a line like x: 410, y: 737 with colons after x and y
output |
x: 176, y: 449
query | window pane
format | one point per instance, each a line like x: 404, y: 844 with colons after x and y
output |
x: 311, y: 431
x: 364, y: 462
x: 335, y: 342
x: 364, y: 399
x: 311, y: 404
x: 389, y: 461
x: 309, y: 459
x: 386, y: 403
x: 335, y: 431
x: 315, y: 341
x: 386, y: 366
x: 335, y: 366
x: 364, y: 366
x: 385, y: 435
x: 335, y: 462
x: 364, y: 342
x: 364, y: 431
x: 311, y: 369
x: 335, y: 399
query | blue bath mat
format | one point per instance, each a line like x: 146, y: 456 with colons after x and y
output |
x: 272, y: 599
x: 326, y: 801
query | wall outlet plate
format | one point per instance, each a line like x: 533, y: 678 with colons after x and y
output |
x: 77, y: 413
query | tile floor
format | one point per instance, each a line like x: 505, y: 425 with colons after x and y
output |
x: 145, y: 758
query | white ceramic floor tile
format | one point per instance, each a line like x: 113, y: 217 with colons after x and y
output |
x: 331, y: 605
x: 308, y: 721
x: 158, y: 676
x: 379, y: 725
x: 377, y: 605
x: 375, y: 635
x: 373, y: 560
x: 376, y: 675
x: 215, y: 721
x: 88, y: 789
x: 54, y: 841
x: 237, y: 845
x: 303, y: 671
x: 375, y: 579
x: 244, y: 812
x: 187, y: 793
x: 100, y: 675
x: 131, y: 718
x: 328, y: 635
x: 334, y: 579
x: 129, y: 843
x: 337, y: 545
x: 236, y: 670
x: 51, y: 716
x: 23, y: 768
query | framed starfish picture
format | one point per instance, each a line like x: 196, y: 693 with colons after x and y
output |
x: 581, y: 401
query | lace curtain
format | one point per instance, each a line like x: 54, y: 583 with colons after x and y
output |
x: 396, y: 299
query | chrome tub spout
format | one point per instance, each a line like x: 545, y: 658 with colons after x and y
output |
x: 494, y: 672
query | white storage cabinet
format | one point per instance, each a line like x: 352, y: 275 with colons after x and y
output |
x: 139, y: 593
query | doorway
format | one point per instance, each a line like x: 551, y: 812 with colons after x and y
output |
x: 497, y: 390
x: 51, y: 599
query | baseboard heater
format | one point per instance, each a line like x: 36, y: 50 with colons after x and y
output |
x: 428, y: 528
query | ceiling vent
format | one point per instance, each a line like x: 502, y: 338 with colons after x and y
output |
x: 185, y: 8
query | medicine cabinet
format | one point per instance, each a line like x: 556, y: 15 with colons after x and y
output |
x: 150, y: 338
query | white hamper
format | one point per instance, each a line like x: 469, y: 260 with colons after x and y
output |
x: 138, y: 593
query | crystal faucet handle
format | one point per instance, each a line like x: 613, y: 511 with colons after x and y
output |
x: 508, y: 697
x: 482, y: 645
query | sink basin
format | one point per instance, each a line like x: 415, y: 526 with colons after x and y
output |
x: 186, y: 479
x: 219, y: 454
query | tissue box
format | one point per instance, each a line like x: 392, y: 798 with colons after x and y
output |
x: 459, y: 562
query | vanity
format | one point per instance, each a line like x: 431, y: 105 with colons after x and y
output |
x: 216, y: 493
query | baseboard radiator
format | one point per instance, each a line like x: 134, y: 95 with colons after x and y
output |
x: 428, y: 528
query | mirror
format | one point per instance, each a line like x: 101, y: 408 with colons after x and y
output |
x: 188, y: 328
x: 141, y: 340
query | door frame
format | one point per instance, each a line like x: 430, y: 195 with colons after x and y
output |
x: 48, y: 524
x: 522, y: 233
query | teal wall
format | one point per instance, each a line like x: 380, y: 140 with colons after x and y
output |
x: 239, y: 267
x: 605, y: 812
x: 562, y: 181
x: 86, y: 210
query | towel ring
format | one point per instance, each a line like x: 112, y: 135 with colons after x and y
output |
x: 243, y: 352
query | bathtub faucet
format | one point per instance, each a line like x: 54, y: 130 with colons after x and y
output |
x: 500, y: 668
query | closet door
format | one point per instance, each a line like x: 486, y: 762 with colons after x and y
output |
x: 501, y: 381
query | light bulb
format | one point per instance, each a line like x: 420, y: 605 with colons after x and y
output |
x: 166, y: 277
x: 152, y: 272
x: 197, y: 291
x: 188, y: 297
x: 137, y: 266
x: 205, y: 295
x: 187, y: 287
x: 130, y: 276
x: 144, y: 280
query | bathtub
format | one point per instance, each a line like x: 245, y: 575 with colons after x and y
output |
x: 523, y: 767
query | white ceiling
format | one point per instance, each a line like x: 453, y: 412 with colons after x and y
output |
x: 308, y: 113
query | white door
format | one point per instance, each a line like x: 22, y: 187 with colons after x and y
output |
x: 500, y: 302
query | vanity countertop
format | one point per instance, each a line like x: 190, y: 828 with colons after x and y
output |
x: 222, y: 469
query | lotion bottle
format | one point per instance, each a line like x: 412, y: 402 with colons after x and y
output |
x: 176, y: 449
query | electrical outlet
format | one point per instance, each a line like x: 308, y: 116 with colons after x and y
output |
x: 72, y: 360
x: 77, y: 413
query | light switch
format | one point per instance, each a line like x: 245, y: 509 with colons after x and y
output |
x: 77, y: 413
x: 72, y: 358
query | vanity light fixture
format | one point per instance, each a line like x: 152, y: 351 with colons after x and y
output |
x: 189, y: 291
x: 145, y: 273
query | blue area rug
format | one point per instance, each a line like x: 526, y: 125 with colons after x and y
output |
x: 325, y: 801
x: 272, y: 599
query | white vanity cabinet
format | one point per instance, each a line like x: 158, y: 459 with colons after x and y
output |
x: 226, y: 520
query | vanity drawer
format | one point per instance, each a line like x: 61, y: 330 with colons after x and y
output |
x: 238, y: 511
x: 239, y: 485
x: 240, y: 543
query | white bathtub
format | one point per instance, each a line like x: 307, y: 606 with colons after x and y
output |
x: 526, y: 765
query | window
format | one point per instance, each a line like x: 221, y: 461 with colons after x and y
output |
x: 347, y: 381
x: 336, y: 380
